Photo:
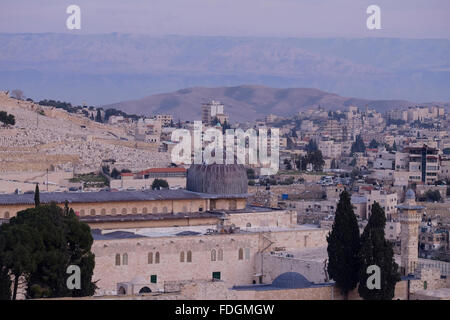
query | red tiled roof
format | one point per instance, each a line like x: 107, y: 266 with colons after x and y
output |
x: 126, y: 174
x: 163, y: 170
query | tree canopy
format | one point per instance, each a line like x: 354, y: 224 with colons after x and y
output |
x: 39, y: 244
x: 159, y: 183
x: 343, y: 246
x: 358, y: 145
x: 7, y: 119
x: 376, y: 250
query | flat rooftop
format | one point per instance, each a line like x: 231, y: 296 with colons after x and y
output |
x: 109, y: 196
x: 180, y: 231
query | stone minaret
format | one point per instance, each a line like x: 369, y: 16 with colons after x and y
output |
x: 410, y: 217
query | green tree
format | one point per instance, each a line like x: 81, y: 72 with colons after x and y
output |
x: 312, y: 146
x: 37, y: 200
x: 17, y: 247
x: 316, y: 159
x: 343, y: 246
x: 373, y: 144
x: 115, y: 174
x: 98, y: 117
x: 358, y: 145
x: 287, y: 163
x: 159, y: 183
x: 376, y: 250
x: 394, y: 146
x: 7, y: 119
x: 5, y: 282
x: 40, y: 243
x: 334, y: 164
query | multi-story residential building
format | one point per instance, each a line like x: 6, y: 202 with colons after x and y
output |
x: 431, y: 239
x: 387, y: 201
x: 423, y: 164
x: 165, y: 119
x: 211, y: 110
x: 330, y: 149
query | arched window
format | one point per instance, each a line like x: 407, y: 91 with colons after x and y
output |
x: 155, y: 210
x: 122, y: 291
x: 124, y: 211
x: 103, y: 212
x: 117, y: 259
x: 213, y: 255
x: 7, y: 215
x: 248, y: 225
x: 92, y: 212
x: 150, y: 257
x: 144, y: 210
x: 164, y: 209
x: 134, y: 210
x: 125, y: 259
x: 189, y: 256
x: 241, y: 254
x: 220, y: 255
x: 82, y: 212
x: 113, y: 211
x: 157, y: 257
x: 182, y: 256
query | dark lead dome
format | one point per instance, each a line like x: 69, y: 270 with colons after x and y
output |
x: 291, y: 280
x: 217, y: 178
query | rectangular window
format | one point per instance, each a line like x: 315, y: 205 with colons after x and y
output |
x: 153, y: 278
x: 216, y: 275
x: 247, y: 253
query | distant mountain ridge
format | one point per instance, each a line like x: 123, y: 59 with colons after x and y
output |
x: 250, y: 102
x: 105, y: 68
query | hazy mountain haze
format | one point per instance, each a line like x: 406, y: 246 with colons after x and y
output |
x: 107, y: 68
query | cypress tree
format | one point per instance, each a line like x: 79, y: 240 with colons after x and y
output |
x: 343, y: 246
x: 376, y: 250
x: 37, y: 200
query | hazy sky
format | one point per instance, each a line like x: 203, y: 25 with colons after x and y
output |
x: 284, y: 18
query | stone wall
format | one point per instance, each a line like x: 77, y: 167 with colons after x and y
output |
x: 233, y: 270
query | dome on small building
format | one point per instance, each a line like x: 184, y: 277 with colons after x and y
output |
x: 217, y: 178
x: 410, y: 194
x: 291, y: 280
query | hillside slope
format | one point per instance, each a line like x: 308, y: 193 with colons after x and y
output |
x: 249, y: 102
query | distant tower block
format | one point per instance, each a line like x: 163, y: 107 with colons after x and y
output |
x: 410, y: 217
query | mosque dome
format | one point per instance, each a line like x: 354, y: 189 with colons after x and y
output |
x: 410, y: 194
x: 291, y: 280
x: 217, y: 178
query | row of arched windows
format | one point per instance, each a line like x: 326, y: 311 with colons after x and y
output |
x: 188, y: 256
x: 216, y: 255
x: 114, y: 211
x: 124, y: 259
x: 150, y: 258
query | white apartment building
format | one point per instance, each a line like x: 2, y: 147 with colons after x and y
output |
x: 387, y: 201
x: 330, y: 149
